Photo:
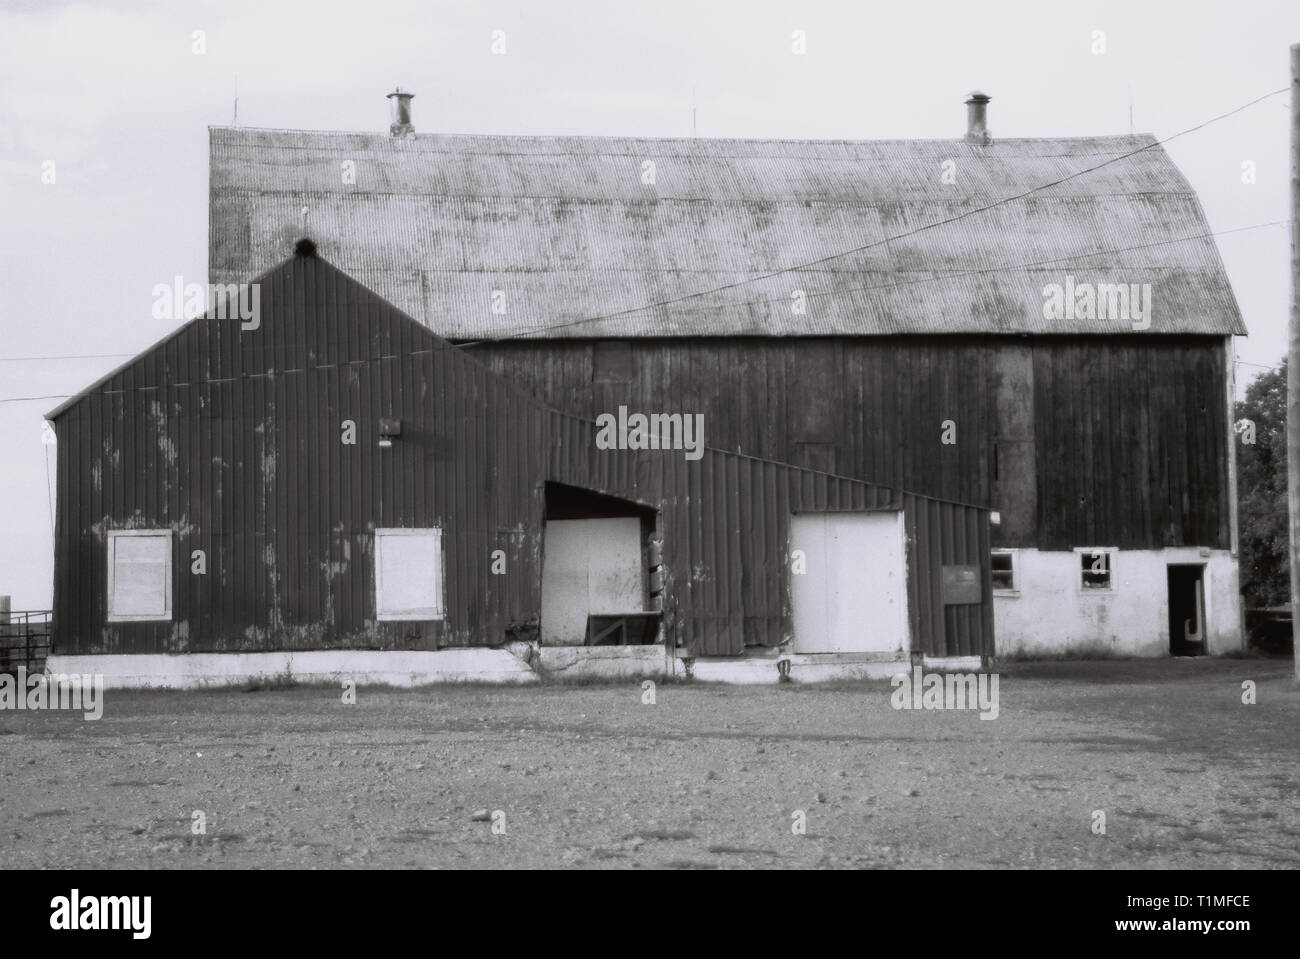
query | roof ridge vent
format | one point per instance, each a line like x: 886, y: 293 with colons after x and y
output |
x: 400, y: 110
x: 977, y: 126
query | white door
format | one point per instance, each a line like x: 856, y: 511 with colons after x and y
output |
x: 589, y: 566
x: 852, y: 596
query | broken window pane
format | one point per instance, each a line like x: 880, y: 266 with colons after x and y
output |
x: 1004, y: 574
x: 1095, y: 567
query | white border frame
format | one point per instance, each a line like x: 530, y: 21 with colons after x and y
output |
x: 1014, y: 553
x: 1110, y: 552
x: 435, y: 613
x: 166, y: 617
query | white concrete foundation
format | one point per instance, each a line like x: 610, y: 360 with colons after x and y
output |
x: 365, y: 667
x: 1051, y: 613
x: 521, y: 663
x: 603, y: 662
x: 764, y: 667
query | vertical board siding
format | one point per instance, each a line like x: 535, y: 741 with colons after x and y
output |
x: 1130, y: 439
x: 1128, y: 429
x: 232, y: 440
x: 726, y: 556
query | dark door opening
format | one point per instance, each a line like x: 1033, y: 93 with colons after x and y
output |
x: 1187, y: 610
x: 598, y: 566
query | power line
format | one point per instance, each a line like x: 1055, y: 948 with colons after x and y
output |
x: 24, y: 399
x: 925, y: 279
x: 888, y: 239
x: 67, y: 356
x: 775, y: 273
x: 49, y: 489
x: 980, y: 272
x: 1007, y: 268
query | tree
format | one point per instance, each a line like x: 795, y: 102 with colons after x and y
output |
x: 1261, y: 490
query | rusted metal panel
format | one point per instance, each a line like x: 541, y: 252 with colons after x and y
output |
x: 235, y: 445
x: 249, y: 467
x: 731, y: 583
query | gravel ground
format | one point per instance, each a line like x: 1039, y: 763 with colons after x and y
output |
x: 706, y: 777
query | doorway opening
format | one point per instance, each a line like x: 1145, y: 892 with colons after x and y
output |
x: 1187, y: 630
x: 597, y: 558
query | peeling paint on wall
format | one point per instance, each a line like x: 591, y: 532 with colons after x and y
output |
x: 287, y: 514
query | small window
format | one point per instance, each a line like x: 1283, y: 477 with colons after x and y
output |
x: 1004, y: 570
x: 139, y: 575
x: 1094, y: 566
x: 408, y: 574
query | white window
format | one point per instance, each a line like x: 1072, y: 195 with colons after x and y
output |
x: 1095, y: 568
x: 139, y: 575
x: 408, y: 574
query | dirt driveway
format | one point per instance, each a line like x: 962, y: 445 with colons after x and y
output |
x: 706, y: 777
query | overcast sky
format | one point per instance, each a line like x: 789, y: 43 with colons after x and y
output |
x: 117, y: 97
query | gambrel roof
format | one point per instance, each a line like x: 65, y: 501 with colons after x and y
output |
x: 579, y: 243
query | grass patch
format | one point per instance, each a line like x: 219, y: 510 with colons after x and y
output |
x: 262, y: 684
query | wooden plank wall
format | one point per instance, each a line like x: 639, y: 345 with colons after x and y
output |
x: 1132, y: 443
x: 1128, y: 431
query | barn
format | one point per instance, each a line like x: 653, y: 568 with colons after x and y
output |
x: 323, y: 486
x: 1039, y: 328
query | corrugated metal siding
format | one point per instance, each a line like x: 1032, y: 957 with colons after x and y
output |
x: 566, y: 228
x: 948, y: 534
x: 726, y: 528
x: 239, y: 453
x: 232, y: 441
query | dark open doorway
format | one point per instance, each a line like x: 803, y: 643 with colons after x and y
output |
x: 601, y: 570
x: 1187, y: 610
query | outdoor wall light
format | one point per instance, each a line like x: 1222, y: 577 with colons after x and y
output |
x: 388, y: 430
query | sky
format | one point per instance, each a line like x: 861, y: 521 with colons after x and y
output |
x: 104, y: 110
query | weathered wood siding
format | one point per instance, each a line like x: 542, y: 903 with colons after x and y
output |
x: 1132, y: 443
x: 1116, y: 441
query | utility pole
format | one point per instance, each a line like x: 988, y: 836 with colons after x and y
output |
x: 1293, y: 362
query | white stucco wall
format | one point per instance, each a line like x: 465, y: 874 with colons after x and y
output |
x: 1051, y: 613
